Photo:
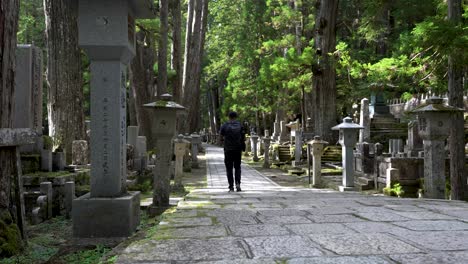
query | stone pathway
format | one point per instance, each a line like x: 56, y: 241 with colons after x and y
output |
x: 269, y: 224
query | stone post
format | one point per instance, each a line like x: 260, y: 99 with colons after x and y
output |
x: 46, y: 189
x: 196, y: 141
x: 364, y: 134
x: 69, y: 197
x: 348, y: 138
x: 283, y: 137
x: 132, y: 135
x: 415, y: 143
x: 297, y: 148
x: 180, y: 146
x: 46, y: 160
x: 317, y: 146
x: 276, y: 131
x: 434, y: 126
x: 164, y: 117
x: 392, y: 176
x: 187, y: 159
x: 58, y: 161
x: 254, y: 141
x: 106, y: 32
x: 266, y: 160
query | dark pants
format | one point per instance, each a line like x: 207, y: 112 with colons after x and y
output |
x: 232, y: 159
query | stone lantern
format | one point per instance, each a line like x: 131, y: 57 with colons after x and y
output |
x: 434, y: 126
x: 348, y: 139
x: 317, y: 146
x: 164, y: 116
x: 254, y: 141
x: 106, y: 30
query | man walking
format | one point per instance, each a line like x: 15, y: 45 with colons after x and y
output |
x: 233, y: 136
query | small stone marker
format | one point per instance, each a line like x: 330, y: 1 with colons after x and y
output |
x: 196, y: 141
x: 46, y: 160
x: 266, y: 160
x: 276, y: 131
x: 180, y: 147
x: 297, y: 148
x: 348, y: 138
x: 392, y: 177
x: 58, y: 161
x: 69, y: 197
x: 46, y: 188
x: 434, y: 125
x: 254, y: 141
x: 132, y: 135
x: 284, y: 132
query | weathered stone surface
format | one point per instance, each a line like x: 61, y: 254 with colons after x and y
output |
x: 80, y: 152
x: 17, y: 136
x: 282, y: 246
x: 341, y: 218
x: 292, y: 219
x: 363, y: 244
x: 424, y: 215
x: 192, y: 221
x: 329, y: 210
x: 375, y: 227
x: 432, y: 258
x: 237, y: 220
x: 258, y: 230
x: 329, y: 228
x: 384, y: 217
x: 184, y: 249
x: 192, y: 232
x: 437, y: 225
x: 437, y: 240
x: 282, y: 212
x: 340, y: 260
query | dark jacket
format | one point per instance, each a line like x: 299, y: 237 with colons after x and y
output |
x: 234, y: 136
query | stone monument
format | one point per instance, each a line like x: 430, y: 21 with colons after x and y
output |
x: 434, y: 126
x: 348, y: 139
x: 180, y: 145
x: 317, y: 146
x: 364, y: 134
x: 254, y: 141
x: 106, y: 31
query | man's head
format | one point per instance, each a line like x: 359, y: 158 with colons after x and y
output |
x: 232, y: 115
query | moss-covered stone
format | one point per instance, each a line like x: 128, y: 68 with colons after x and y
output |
x: 10, y: 236
x: 30, y: 163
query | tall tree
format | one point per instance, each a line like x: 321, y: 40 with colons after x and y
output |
x: 324, y: 84
x: 177, y: 49
x: 458, y: 178
x: 64, y: 76
x: 162, y: 49
x: 193, y: 61
x: 10, y: 237
x: 142, y: 80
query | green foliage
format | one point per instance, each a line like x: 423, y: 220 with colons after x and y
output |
x: 396, y: 190
x: 88, y: 256
x: 10, y: 237
x: 48, y: 144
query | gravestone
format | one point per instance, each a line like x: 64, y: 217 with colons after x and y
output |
x: 196, y: 142
x: 46, y: 188
x: 266, y: 160
x: 132, y: 135
x: 415, y: 142
x: 58, y: 161
x: 276, y: 131
x: 317, y: 146
x: 27, y: 98
x: 364, y: 134
x: 297, y: 148
x: 106, y: 31
x: 69, y: 197
x: 46, y: 160
x: 180, y: 146
x: 283, y: 137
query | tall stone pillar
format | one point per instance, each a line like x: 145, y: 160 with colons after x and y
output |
x: 364, y: 134
x: 107, y: 34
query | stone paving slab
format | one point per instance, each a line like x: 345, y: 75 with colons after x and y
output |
x: 363, y: 244
x: 432, y: 258
x: 282, y: 247
x: 267, y: 223
x: 340, y: 260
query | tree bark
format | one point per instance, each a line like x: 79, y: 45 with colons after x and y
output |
x: 64, y: 78
x: 162, y: 53
x: 188, y: 41
x: 458, y: 178
x: 177, y: 49
x: 142, y: 81
x: 324, y: 84
x: 192, y: 68
x: 8, y: 27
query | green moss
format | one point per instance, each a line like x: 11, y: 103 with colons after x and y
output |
x: 87, y: 256
x: 48, y: 144
x: 10, y: 236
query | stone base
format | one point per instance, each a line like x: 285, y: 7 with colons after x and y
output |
x: 298, y: 163
x: 346, y: 189
x: 106, y: 217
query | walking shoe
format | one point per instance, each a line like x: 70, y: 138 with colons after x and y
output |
x: 238, y: 188
x: 231, y: 189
